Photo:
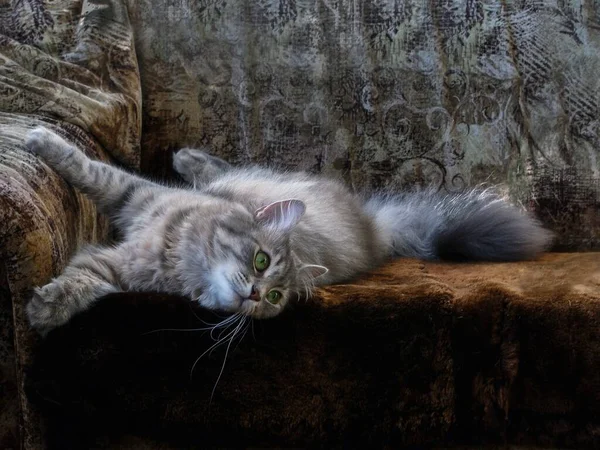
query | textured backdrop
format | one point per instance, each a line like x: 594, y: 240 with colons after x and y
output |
x: 378, y: 93
x: 69, y: 65
x: 386, y: 93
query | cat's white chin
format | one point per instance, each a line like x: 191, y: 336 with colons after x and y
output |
x: 218, y: 301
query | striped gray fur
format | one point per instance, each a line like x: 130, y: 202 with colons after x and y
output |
x: 201, y: 241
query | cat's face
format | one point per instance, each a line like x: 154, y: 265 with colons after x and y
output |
x: 252, y: 269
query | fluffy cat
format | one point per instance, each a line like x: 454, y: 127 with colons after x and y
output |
x: 247, y: 240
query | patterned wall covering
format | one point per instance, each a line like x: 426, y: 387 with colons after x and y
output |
x: 380, y: 93
x: 386, y: 93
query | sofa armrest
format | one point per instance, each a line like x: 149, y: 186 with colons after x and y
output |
x: 74, y: 62
x: 43, y: 221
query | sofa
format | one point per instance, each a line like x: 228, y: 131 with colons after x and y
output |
x: 380, y: 94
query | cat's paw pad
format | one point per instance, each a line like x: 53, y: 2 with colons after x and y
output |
x: 38, y: 139
x: 197, y: 166
x: 47, y: 144
x: 45, y: 310
x: 189, y: 159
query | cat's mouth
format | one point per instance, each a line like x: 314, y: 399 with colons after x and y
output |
x: 245, y: 306
x: 232, y: 303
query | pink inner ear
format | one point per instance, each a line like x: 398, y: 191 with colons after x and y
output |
x: 284, y: 214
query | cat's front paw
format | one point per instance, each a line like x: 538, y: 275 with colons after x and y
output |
x: 38, y: 140
x: 47, y: 144
x: 47, y: 309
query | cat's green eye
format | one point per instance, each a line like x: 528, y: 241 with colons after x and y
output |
x: 274, y: 297
x: 261, y: 261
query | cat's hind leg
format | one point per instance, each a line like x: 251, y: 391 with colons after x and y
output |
x: 198, y: 167
x: 91, y: 274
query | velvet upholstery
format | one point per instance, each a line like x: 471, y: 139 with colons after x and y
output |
x: 378, y: 94
x: 415, y: 354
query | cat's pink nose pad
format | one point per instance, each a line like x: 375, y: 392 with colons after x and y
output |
x: 254, y: 295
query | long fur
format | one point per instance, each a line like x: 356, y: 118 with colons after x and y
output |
x: 474, y: 225
x: 202, y: 241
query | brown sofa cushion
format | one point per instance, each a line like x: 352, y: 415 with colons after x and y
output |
x: 413, y: 354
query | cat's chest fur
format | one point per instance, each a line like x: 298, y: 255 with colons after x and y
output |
x: 155, y: 240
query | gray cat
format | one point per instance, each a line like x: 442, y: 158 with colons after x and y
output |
x: 248, y: 240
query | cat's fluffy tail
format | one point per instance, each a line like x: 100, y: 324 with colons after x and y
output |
x: 474, y: 225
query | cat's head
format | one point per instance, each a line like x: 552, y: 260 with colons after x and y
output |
x: 251, y: 267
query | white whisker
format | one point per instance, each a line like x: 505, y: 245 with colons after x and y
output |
x: 226, y: 324
x: 225, y: 319
x: 223, y: 331
x: 194, y: 312
x: 243, y: 332
x: 176, y: 329
x: 231, y: 333
x: 240, y: 325
x: 211, y: 327
x: 222, y: 341
x: 222, y: 322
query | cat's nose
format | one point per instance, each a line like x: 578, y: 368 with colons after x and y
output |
x: 254, y: 295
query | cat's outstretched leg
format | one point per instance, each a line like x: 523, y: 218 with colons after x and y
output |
x: 92, y: 273
x: 198, y: 167
x: 107, y: 186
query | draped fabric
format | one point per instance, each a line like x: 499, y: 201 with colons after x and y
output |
x: 386, y: 94
x: 383, y: 94
x: 71, y: 66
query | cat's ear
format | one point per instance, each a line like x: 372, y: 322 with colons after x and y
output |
x: 313, y: 271
x: 283, y: 215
